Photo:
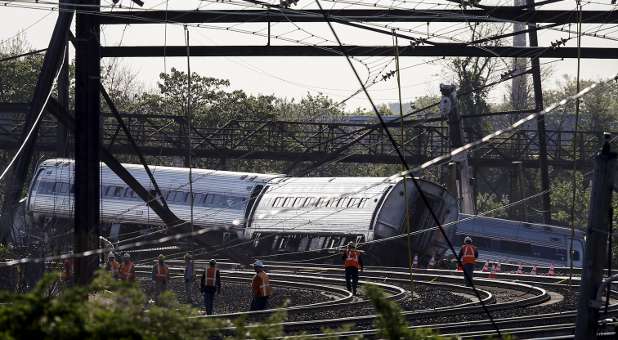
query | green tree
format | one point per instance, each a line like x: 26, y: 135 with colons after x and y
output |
x: 18, y: 77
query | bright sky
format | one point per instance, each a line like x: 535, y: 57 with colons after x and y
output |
x: 294, y: 77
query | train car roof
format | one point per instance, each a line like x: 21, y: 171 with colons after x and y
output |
x: 514, y: 230
x: 323, y: 186
x: 243, y: 176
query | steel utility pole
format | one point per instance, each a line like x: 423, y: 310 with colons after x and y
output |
x: 448, y: 107
x: 540, y: 122
x: 87, y: 138
x: 63, y: 99
x: 595, y: 255
x: 519, y: 85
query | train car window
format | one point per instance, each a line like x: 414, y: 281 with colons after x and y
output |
x: 322, y: 202
x: 362, y: 202
x: 343, y: 203
x: 181, y: 197
x: 129, y: 193
x: 45, y: 188
x: 287, y: 202
x: 353, y: 203
x: 107, y: 190
x: 197, y: 199
x: 575, y: 255
x: 333, y: 202
x: 118, y: 191
x: 209, y: 200
x: 310, y: 201
x: 218, y: 201
x: 61, y: 188
x: 234, y: 202
x: 277, y: 201
x: 170, y: 196
x: 297, y: 202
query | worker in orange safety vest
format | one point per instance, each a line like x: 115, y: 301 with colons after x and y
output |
x: 352, y: 262
x: 468, y: 255
x: 209, y: 285
x: 112, y: 265
x: 127, y: 268
x: 261, y: 287
x: 160, y: 276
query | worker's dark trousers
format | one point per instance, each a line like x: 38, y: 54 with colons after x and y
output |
x: 351, y: 279
x: 209, y: 300
x: 469, y: 272
x: 259, y: 303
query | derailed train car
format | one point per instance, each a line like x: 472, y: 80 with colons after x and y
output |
x: 273, y: 213
x: 518, y: 242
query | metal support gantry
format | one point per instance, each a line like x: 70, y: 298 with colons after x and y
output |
x: 267, y: 140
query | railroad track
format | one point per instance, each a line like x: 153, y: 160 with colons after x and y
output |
x: 523, y: 305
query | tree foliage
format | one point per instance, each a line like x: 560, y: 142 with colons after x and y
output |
x: 110, y: 309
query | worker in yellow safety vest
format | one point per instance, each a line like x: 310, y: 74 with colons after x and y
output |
x: 209, y: 285
x: 468, y: 255
x: 261, y: 287
x: 112, y: 265
x: 127, y: 269
x: 352, y: 262
x: 160, y: 276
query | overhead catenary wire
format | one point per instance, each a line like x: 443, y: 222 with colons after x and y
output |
x: 189, y: 127
x: 574, y: 182
x: 405, y: 164
x: 35, y: 123
x: 202, y: 231
x: 405, y: 186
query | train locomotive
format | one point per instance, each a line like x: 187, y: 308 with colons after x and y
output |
x: 272, y: 213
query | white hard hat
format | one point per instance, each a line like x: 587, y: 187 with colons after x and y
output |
x: 468, y: 239
x: 127, y: 255
x: 258, y: 263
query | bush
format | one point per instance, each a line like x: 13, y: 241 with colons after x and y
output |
x: 110, y: 309
x: 391, y: 322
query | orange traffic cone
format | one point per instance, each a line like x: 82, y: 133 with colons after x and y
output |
x: 552, y: 270
x: 486, y: 267
x: 533, y: 271
x: 520, y: 269
x: 492, y: 274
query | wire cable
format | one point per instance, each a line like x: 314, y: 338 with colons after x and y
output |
x: 35, y: 124
x: 405, y: 164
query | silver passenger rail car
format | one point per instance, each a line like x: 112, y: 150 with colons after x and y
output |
x: 305, y: 214
x: 276, y: 212
x: 221, y: 198
x: 517, y: 242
